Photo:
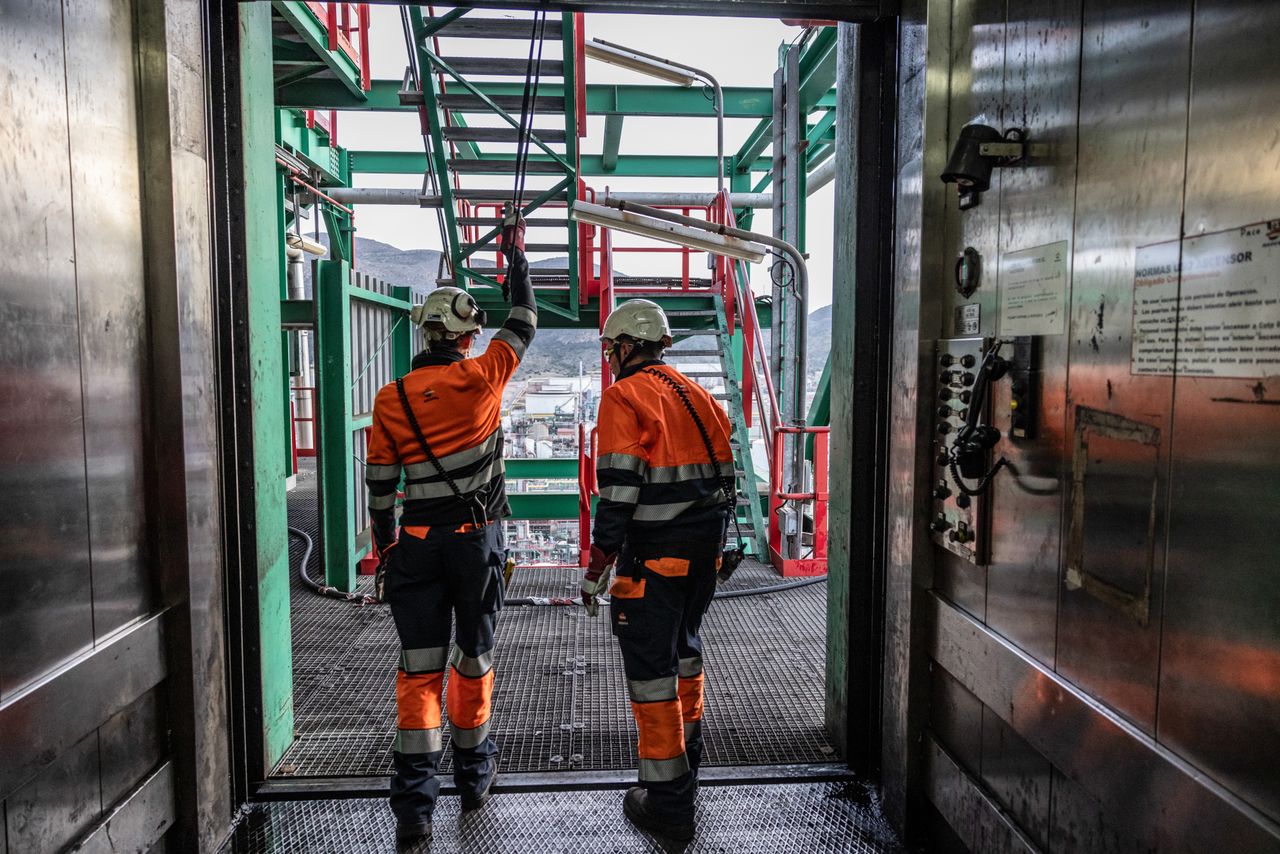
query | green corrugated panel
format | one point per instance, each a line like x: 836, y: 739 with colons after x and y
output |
x: 264, y: 233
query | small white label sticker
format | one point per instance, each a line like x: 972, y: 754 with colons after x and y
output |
x: 1214, y: 311
x: 1033, y: 290
x: 968, y: 319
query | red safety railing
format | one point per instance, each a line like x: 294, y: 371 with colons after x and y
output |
x: 342, y: 21
x: 816, y: 562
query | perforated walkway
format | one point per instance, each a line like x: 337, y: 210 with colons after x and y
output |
x: 812, y: 818
x: 560, y: 699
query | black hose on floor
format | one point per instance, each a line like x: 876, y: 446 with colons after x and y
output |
x: 364, y: 599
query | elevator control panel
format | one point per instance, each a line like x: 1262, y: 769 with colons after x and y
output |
x: 958, y: 521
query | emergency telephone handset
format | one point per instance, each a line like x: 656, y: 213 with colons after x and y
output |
x: 967, y: 456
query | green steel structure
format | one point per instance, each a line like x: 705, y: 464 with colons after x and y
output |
x: 299, y: 78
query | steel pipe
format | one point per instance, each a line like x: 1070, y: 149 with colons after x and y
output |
x: 383, y: 196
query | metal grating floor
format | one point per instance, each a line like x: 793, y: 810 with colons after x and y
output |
x: 560, y: 699
x: 812, y: 817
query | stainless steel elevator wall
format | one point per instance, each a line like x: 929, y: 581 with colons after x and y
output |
x: 94, y: 282
x: 1081, y: 724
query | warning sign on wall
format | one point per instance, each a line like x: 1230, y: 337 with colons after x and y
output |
x: 1226, y: 320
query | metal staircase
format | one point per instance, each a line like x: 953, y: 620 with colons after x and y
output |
x: 474, y: 182
x: 693, y: 330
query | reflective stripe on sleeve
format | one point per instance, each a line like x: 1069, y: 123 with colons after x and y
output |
x: 622, y: 462
x: 512, y: 340
x: 422, y: 660
x: 527, y: 315
x: 382, y: 502
x: 419, y: 740
x: 652, y: 690
x: 621, y: 494
x: 372, y: 472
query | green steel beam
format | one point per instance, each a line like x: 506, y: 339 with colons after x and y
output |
x: 740, y: 102
x: 556, y: 469
x: 311, y: 145
x: 543, y: 505
x: 759, y: 139
x: 612, y: 139
x: 366, y: 295
x: 264, y: 286
x: 333, y: 424
x: 308, y: 26
x: 285, y: 52
x: 628, y: 165
x: 818, y: 68
x: 571, y: 151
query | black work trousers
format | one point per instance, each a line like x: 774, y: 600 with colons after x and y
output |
x: 657, y: 601
x: 438, y: 577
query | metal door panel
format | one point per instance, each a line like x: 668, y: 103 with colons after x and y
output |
x: 59, y: 804
x: 1219, y: 690
x: 976, y: 93
x: 1076, y: 825
x: 955, y: 716
x: 109, y: 277
x: 131, y: 744
x: 1017, y: 775
x: 44, y: 559
x: 1037, y: 202
x: 1131, y: 146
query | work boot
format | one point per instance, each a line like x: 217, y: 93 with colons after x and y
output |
x: 637, y: 808
x: 413, y: 837
x: 474, y: 802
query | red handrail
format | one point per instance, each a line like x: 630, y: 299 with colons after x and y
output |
x: 336, y: 18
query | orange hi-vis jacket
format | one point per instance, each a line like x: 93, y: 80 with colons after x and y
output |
x: 657, y: 483
x: 457, y: 402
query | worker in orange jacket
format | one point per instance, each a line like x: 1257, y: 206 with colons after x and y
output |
x: 440, y: 427
x: 665, y: 472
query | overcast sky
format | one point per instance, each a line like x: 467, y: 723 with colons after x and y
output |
x: 738, y: 51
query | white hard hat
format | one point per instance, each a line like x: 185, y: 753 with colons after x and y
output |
x: 639, y: 319
x: 448, y: 313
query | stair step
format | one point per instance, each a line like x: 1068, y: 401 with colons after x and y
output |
x: 506, y: 66
x: 497, y: 28
x: 718, y: 396
x: 468, y: 103
x: 493, y: 221
x: 469, y: 248
x: 487, y: 166
x: 707, y: 374
x: 690, y: 332
x: 689, y: 353
x: 504, y: 134
x: 702, y: 312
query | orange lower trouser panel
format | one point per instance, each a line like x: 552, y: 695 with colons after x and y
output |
x: 661, y: 729
x: 418, y: 699
x: 470, y: 699
x: 691, y: 698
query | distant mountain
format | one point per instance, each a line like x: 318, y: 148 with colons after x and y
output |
x: 555, y: 352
